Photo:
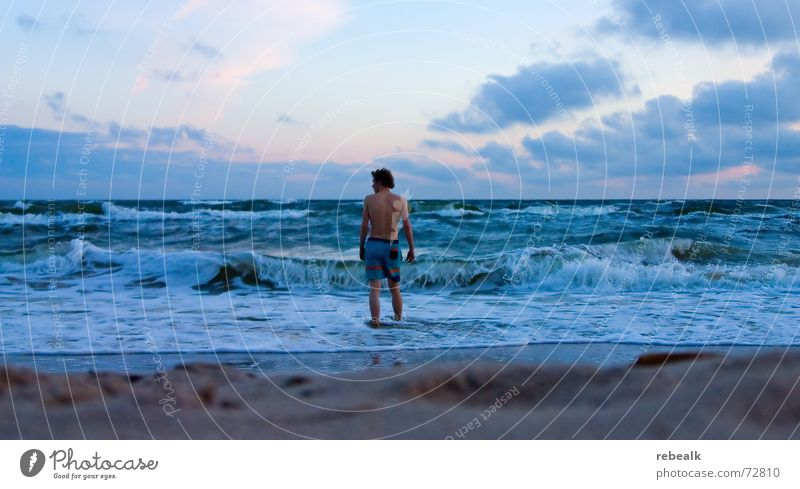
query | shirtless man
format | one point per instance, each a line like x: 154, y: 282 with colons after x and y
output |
x: 381, y: 252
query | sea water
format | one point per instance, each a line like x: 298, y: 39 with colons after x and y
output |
x: 269, y: 276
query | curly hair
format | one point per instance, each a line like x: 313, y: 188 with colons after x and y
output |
x: 384, y: 176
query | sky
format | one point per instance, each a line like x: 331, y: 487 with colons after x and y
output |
x: 301, y: 99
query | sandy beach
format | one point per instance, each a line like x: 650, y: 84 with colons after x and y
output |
x: 687, y: 394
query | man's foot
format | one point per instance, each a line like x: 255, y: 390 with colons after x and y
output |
x: 398, y: 317
x: 374, y: 323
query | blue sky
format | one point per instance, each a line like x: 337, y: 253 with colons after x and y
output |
x: 301, y: 99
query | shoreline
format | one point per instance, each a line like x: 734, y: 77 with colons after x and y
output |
x: 589, y: 353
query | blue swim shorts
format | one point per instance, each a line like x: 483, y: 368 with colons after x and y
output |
x: 382, y: 258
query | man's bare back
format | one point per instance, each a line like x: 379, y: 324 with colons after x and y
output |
x: 385, y: 209
x: 382, y: 213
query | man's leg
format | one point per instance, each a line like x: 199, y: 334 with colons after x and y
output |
x: 397, y: 299
x: 375, y: 301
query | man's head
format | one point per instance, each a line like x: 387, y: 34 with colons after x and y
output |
x: 382, y: 178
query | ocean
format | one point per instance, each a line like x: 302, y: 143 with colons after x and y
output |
x: 263, y: 276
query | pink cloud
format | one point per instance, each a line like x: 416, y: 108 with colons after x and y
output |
x: 734, y: 173
x: 257, y: 35
x: 140, y: 84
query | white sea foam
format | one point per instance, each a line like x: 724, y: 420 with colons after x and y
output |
x: 206, y: 202
x: 451, y: 211
x: 121, y: 213
x: 563, y: 211
x: 645, y: 266
x: 475, y: 283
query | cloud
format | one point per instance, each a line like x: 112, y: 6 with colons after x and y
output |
x: 174, y: 76
x: 708, y: 21
x: 55, y: 101
x: 445, y: 145
x: 624, y: 144
x: 415, y: 175
x: 535, y: 94
x: 27, y: 22
x: 241, y: 41
x: 172, y: 135
x: 125, y: 133
x: 44, y: 163
x: 156, y: 135
x: 775, y: 92
x: 81, y: 120
x: 205, y: 50
x: 185, y: 137
x: 501, y: 158
x: 80, y: 25
x: 285, y: 119
x: 74, y: 23
x: 43, y: 148
x: 724, y: 125
x: 419, y: 168
x: 494, y: 156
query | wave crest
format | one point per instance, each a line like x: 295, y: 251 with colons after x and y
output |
x: 656, y: 264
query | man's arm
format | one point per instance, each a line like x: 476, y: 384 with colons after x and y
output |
x: 364, y: 229
x: 410, y: 256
